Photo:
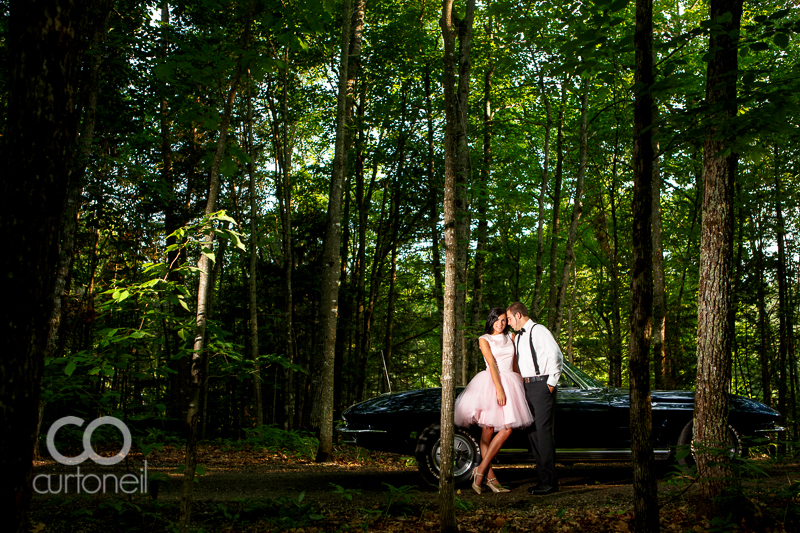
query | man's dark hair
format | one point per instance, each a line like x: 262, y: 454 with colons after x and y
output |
x: 518, y: 307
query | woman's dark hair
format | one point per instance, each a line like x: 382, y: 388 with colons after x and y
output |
x: 494, y: 315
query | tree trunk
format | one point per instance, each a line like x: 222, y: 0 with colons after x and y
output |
x: 536, y: 307
x: 287, y: 242
x: 645, y: 496
x: 659, y: 280
x: 764, y: 345
x: 199, y: 355
x: 363, y: 200
x: 714, y: 292
x: 553, y: 270
x: 784, y: 333
x: 69, y: 224
x: 253, y: 284
x: 390, y: 306
x: 44, y: 47
x: 462, y: 176
x: 448, y: 23
x: 329, y: 280
x: 577, y: 210
x: 375, y: 282
x: 478, y: 311
x: 433, y: 185
x: 395, y: 218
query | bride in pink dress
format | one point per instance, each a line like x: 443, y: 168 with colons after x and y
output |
x: 495, y: 398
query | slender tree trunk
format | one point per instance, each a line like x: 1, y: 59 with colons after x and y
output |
x: 553, y: 270
x: 645, y: 496
x: 204, y: 289
x: 392, y: 300
x: 447, y: 515
x: 478, y: 311
x: 577, y: 210
x: 43, y: 49
x: 462, y: 176
x: 283, y: 148
x: 253, y: 282
x: 433, y: 186
x: 764, y: 344
x: 783, y: 297
x: 395, y: 218
x: 363, y: 200
x: 375, y: 282
x: 659, y: 280
x: 329, y: 280
x: 673, y: 346
x: 714, y: 335
x: 536, y: 307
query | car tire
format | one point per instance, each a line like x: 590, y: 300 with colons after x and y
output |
x: 467, y: 451
x: 686, y: 462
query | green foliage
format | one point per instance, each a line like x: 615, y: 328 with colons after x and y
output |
x: 272, y: 438
x: 284, y: 513
x: 400, y: 500
x: 343, y: 492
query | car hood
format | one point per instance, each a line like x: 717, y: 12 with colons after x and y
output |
x: 672, y: 399
x: 418, y: 400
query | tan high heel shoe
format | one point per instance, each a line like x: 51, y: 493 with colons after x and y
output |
x: 476, y: 486
x: 496, y: 487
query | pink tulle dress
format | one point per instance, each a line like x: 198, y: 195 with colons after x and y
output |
x: 477, y: 404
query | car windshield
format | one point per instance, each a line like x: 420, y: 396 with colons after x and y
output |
x: 581, y: 376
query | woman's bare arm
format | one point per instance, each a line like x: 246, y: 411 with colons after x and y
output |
x: 492, y: 366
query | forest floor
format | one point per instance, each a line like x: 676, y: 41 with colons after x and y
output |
x: 247, y: 490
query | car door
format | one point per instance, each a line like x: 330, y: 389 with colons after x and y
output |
x: 583, y: 417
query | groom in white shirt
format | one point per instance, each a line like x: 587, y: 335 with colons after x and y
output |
x: 540, y: 361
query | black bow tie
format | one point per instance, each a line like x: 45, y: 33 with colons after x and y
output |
x: 521, y: 331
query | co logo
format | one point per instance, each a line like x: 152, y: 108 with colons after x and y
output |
x: 88, y: 451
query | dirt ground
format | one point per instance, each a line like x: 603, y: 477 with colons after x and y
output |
x: 374, y: 492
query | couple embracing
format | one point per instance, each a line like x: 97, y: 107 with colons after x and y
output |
x: 517, y: 390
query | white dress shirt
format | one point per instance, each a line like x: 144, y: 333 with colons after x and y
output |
x: 549, y: 355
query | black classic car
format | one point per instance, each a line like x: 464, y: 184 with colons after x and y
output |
x: 592, y: 424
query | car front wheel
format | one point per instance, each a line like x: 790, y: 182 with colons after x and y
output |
x: 428, y: 454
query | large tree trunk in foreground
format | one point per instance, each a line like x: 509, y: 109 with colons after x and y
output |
x: 714, y: 320
x: 44, y: 46
x: 645, y: 496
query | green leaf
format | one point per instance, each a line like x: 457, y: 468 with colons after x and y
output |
x: 228, y: 166
x: 618, y: 4
x: 71, y: 366
x: 781, y: 39
x: 759, y: 47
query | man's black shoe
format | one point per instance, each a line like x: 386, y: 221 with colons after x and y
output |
x: 542, y: 489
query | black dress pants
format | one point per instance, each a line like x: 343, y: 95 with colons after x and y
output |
x: 543, y: 407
